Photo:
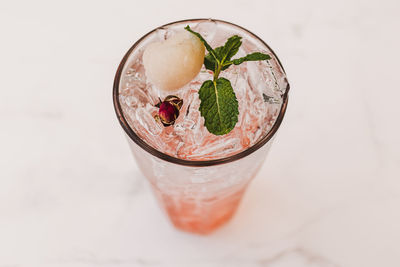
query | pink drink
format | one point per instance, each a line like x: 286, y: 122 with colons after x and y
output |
x: 199, y: 178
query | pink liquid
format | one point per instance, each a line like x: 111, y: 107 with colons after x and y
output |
x: 191, y: 216
x: 199, y: 200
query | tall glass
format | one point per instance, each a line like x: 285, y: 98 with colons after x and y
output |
x: 199, y: 195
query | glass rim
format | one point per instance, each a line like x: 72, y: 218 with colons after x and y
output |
x: 193, y: 163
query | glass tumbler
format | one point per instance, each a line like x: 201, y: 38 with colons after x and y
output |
x: 199, y: 196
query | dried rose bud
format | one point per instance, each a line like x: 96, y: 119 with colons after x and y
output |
x: 174, y: 100
x: 169, y: 110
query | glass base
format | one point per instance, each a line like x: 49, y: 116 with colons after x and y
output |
x: 200, y: 215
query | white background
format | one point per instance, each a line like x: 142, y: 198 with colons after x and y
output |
x: 71, y: 194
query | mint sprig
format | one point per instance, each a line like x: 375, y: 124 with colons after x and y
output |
x: 219, y: 105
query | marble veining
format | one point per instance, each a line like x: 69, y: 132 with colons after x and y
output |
x: 71, y: 194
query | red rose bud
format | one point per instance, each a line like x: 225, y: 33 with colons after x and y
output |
x: 169, y: 110
x: 175, y: 101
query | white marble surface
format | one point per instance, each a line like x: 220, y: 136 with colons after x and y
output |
x: 71, y: 195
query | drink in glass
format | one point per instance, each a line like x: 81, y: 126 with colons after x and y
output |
x: 199, y: 178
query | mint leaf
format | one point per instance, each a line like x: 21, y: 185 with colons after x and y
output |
x: 223, y: 53
x: 230, y: 48
x: 208, y: 47
x: 251, y: 57
x: 218, y: 106
x: 209, y: 61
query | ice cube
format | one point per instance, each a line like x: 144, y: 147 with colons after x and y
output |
x: 143, y: 116
x: 164, y: 33
x: 219, y: 147
x: 207, y: 29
